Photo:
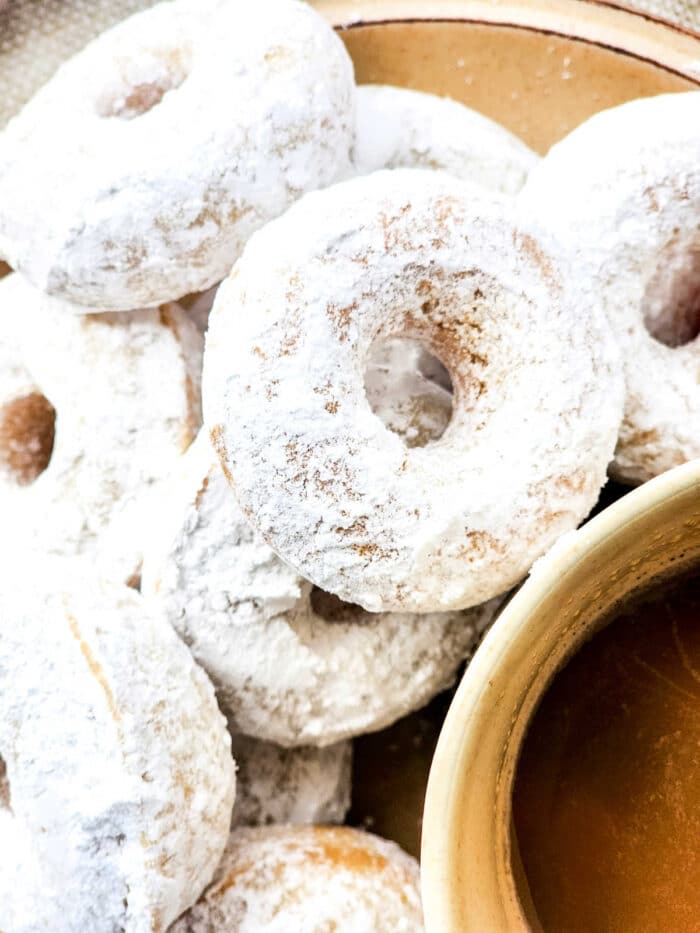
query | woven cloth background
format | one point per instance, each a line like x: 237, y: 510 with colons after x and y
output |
x: 684, y: 12
x: 36, y: 35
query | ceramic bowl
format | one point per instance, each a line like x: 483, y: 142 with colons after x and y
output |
x: 539, y: 67
x: 471, y: 872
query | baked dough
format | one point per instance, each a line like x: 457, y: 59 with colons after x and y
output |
x: 401, y: 128
x: 290, y: 785
x: 291, y: 664
x: 137, y: 173
x: 125, y: 390
x: 312, y: 879
x: 119, y: 780
x: 620, y: 200
x: 537, y: 404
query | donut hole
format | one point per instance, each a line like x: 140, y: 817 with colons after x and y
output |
x: 435, y: 371
x: 671, y: 304
x: 27, y: 430
x: 5, y: 798
x: 143, y: 84
x: 409, y: 390
x: 332, y: 609
x: 134, y: 581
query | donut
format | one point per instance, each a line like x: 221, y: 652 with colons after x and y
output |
x: 121, y: 393
x: 620, y: 199
x: 400, y: 128
x: 310, y: 878
x: 340, y: 498
x: 291, y: 664
x: 172, y: 137
x: 119, y: 780
x: 290, y: 785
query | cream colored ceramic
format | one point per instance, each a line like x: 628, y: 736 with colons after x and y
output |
x: 470, y: 868
x: 540, y: 67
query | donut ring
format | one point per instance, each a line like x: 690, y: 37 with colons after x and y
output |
x: 237, y: 606
x: 118, y: 430
x: 419, y: 254
x: 290, y: 785
x: 119, y: 777
x: 630, y: 228
x: 155, y: 180
x: 400, y: 128
x: 310, y: 878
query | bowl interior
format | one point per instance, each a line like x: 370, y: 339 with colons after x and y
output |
x: 538, y: 83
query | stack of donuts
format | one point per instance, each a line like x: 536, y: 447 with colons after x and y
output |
x: 297, y: 380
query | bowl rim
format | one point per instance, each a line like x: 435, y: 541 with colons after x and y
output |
x: 442, y: 804
x: 604, y: 23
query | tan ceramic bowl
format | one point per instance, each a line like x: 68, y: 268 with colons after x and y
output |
x: 470, y: 864
x: 539, y: 67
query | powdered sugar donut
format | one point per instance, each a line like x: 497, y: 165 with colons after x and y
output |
x: 629, y: 226
x: 290, y: 785
x: 419, y: 254
x: 400, y: 128
x: 291, y: 664
x: 155, y: 179
x: 119, y: 779
x: 125, y: 390
x: 310, y: 878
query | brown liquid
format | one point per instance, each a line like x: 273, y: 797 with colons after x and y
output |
x: 607, y: 796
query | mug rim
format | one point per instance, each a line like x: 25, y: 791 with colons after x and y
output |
x: 441, y: 840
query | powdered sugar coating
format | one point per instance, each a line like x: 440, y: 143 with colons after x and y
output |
x: 126, y: 391
x: 313, y: 878
x: 290, y: 785
x: 290, y: 664
x: 120, y: 776
x: 401, y: 128
x: 170, y: 139
x: 340, y: 498
x: 620, y: 199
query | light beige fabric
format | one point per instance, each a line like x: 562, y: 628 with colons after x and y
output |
x: 36, y: 35
x: 684, y: 12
